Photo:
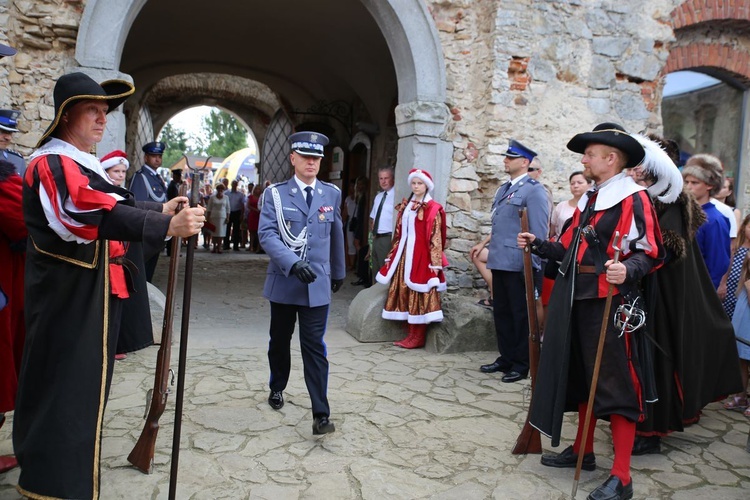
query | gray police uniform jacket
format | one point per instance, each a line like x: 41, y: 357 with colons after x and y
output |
x: 325, y: 242
x: 146, y: 185
x: 504, y: 254
x: 15, y: 158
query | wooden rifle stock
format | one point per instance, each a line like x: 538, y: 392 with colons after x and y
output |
x: 529, y: 441
x: 142, y: 456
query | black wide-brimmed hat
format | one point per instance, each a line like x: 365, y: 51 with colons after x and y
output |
x: 75, y: 87
x: 610, y: 134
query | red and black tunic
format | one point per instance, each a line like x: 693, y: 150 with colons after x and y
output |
x: 73, y: 216
x: 576, y: 307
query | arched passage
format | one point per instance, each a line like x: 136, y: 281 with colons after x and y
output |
x: 711, y: 37
x: 399, y: 40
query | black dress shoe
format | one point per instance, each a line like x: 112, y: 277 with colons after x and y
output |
x: 612, y: 489
x: 358, y: 282
x: 569, y: 459
x: 494, y: 367
x: 513, y: 376
x: 650, y: 445
x: 276, y: 400
x: 321, y: 425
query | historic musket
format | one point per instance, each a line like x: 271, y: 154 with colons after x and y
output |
x: 529, y: 441
x: 142, y: 456
x: 617, y: 246
x: 192, y: 243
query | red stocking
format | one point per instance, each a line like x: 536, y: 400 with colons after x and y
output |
x: 589, y: 435
x: 623, y: 435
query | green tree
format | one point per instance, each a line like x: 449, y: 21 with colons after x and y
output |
x: 177, y: 144
x: 224, y: 134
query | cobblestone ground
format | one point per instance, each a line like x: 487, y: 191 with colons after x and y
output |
x: 409, y: 424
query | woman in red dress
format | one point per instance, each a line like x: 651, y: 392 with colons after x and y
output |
x: 414, y: 267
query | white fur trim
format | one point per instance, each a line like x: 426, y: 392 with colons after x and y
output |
x: 115, y: 160
x: 421, y: 319
x: 422, y: 175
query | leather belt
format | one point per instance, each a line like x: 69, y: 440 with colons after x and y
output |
x: 381, y: 235
x: 585, y: 269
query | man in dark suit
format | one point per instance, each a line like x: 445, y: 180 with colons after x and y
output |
x: 301, y: 231
x: 505, y: 260
x: 147, y: 185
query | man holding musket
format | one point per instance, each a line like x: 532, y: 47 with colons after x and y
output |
x: 577, y: 308
x: 78, y: 221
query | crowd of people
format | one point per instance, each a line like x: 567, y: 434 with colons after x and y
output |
x: 639, y: 236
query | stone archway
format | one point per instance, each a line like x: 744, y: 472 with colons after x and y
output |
x: 421, y: 114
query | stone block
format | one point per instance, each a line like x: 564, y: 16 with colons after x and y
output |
x: 365, y: 322
x: 465, y: 327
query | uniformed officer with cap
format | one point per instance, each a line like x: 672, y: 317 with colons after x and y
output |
x: 301, y: 231
x: 505, y: 260
x: 147, y: 185
x: 8, y: 125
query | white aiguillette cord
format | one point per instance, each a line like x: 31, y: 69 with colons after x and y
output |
x: 297, y: 244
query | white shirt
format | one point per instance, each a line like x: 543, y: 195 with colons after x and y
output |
x: 302, y: 186
x: 385, y: 223
x: 727, y: 212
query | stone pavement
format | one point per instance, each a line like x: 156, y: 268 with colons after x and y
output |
x: 409, y: 424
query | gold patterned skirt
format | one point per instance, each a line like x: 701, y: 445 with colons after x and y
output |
x: 403, y: 303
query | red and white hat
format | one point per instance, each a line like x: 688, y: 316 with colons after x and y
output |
x: 116, y: 157
x: 424, y: 176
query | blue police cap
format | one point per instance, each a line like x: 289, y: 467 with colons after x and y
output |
x: 6, y: 50
x: 9, y: 120
x: 154, y: 148
x: 308, y: 143
x: 518, y: 150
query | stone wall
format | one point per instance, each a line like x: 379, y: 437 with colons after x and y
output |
x: 536, y: 71
x: 539, y: 72
x: 44, y: 32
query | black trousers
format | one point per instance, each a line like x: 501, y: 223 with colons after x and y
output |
x: 312, y: 329
x: 233, y: 230
x: 363, y: 265
x: 511, y: 318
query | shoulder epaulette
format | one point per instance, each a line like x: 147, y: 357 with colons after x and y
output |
x: 13, y: 152
x: 533, y: 181
x: 330, y: 185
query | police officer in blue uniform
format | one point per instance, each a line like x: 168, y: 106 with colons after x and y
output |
x: 301, y: 231
x: 8, y: 125
x: 505, y: 260
x: 147, y: 185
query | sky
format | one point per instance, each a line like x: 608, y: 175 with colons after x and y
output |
x: 685, y: 81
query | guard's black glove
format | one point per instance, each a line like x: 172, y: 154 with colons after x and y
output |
x: 303, y: 272
x: 336, y: 285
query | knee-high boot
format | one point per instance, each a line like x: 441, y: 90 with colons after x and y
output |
x: 415, y: 339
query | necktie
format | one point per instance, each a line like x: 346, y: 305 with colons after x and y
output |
x: 504, y: 190
x: 377, y: 214
x: 308, y: 197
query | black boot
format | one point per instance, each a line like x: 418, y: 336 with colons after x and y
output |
x: 647, y: 445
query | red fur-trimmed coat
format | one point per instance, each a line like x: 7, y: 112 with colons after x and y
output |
x: 415, y: 240
x: 12, y: 256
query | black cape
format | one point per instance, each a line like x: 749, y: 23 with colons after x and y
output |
x: 698, y: 359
